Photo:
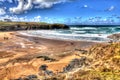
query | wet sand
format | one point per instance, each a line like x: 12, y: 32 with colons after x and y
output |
x: 59, y: 45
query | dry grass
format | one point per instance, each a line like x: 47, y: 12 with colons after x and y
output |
x: 104, y: 66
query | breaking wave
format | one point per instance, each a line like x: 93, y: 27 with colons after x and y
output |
x: 97, y: 34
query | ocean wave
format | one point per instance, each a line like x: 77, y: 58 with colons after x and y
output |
x: 51, y: 34
x: 97, y: 34
x: 83, y: 28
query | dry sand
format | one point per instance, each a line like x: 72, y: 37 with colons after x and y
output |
x: 18, y: 54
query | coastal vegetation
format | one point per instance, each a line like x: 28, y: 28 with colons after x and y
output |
x: 102, y: 62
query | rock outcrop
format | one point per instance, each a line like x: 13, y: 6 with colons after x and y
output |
x: 75, y: 63
x: 115, y: 37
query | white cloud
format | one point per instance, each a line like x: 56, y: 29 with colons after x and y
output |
x: 28, y: 4
x: 47, y: 3
x: 37, y: 18
x: 19, y: 8
x: 85, y: 6
x: 111, y: 8
x: 20, y: 19
x: 13, y: 18
x: 2, y: 0
x: 2, y: 11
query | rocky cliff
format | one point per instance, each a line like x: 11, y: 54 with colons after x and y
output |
x: 15, y: 26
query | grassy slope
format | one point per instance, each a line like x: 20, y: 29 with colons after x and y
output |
x: 13, y: 26
x: 105, y: 64
x: 22, y: 23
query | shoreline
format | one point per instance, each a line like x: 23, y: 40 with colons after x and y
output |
x: 51, y: 40
x: 62, y: 39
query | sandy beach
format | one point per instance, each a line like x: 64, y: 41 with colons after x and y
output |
x: 59, y: 40
x: 21, y: 54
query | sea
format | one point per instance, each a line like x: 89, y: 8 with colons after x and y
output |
x: 78, y: 33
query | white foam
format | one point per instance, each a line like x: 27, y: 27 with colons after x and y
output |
x: 83, y: 28
x: 52, y: 34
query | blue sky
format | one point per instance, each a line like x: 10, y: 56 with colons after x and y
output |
x: 62, y: 11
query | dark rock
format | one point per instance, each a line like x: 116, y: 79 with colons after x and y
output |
x: 46, y: 58
x: 81, y: 51
x: 75, y: 63
x: 17, y: 79
x: 43, y: 67
x: 31, y: 77
x: 47, y: 72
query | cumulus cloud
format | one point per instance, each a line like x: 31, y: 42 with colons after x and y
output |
x: 28, y: 5
x: 111, y: 8
x: 2, y: 11
x: 24, y: 5
x: 19, y: 8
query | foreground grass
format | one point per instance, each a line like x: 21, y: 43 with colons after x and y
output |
x: 104, y: 65
x: 88, y: 75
